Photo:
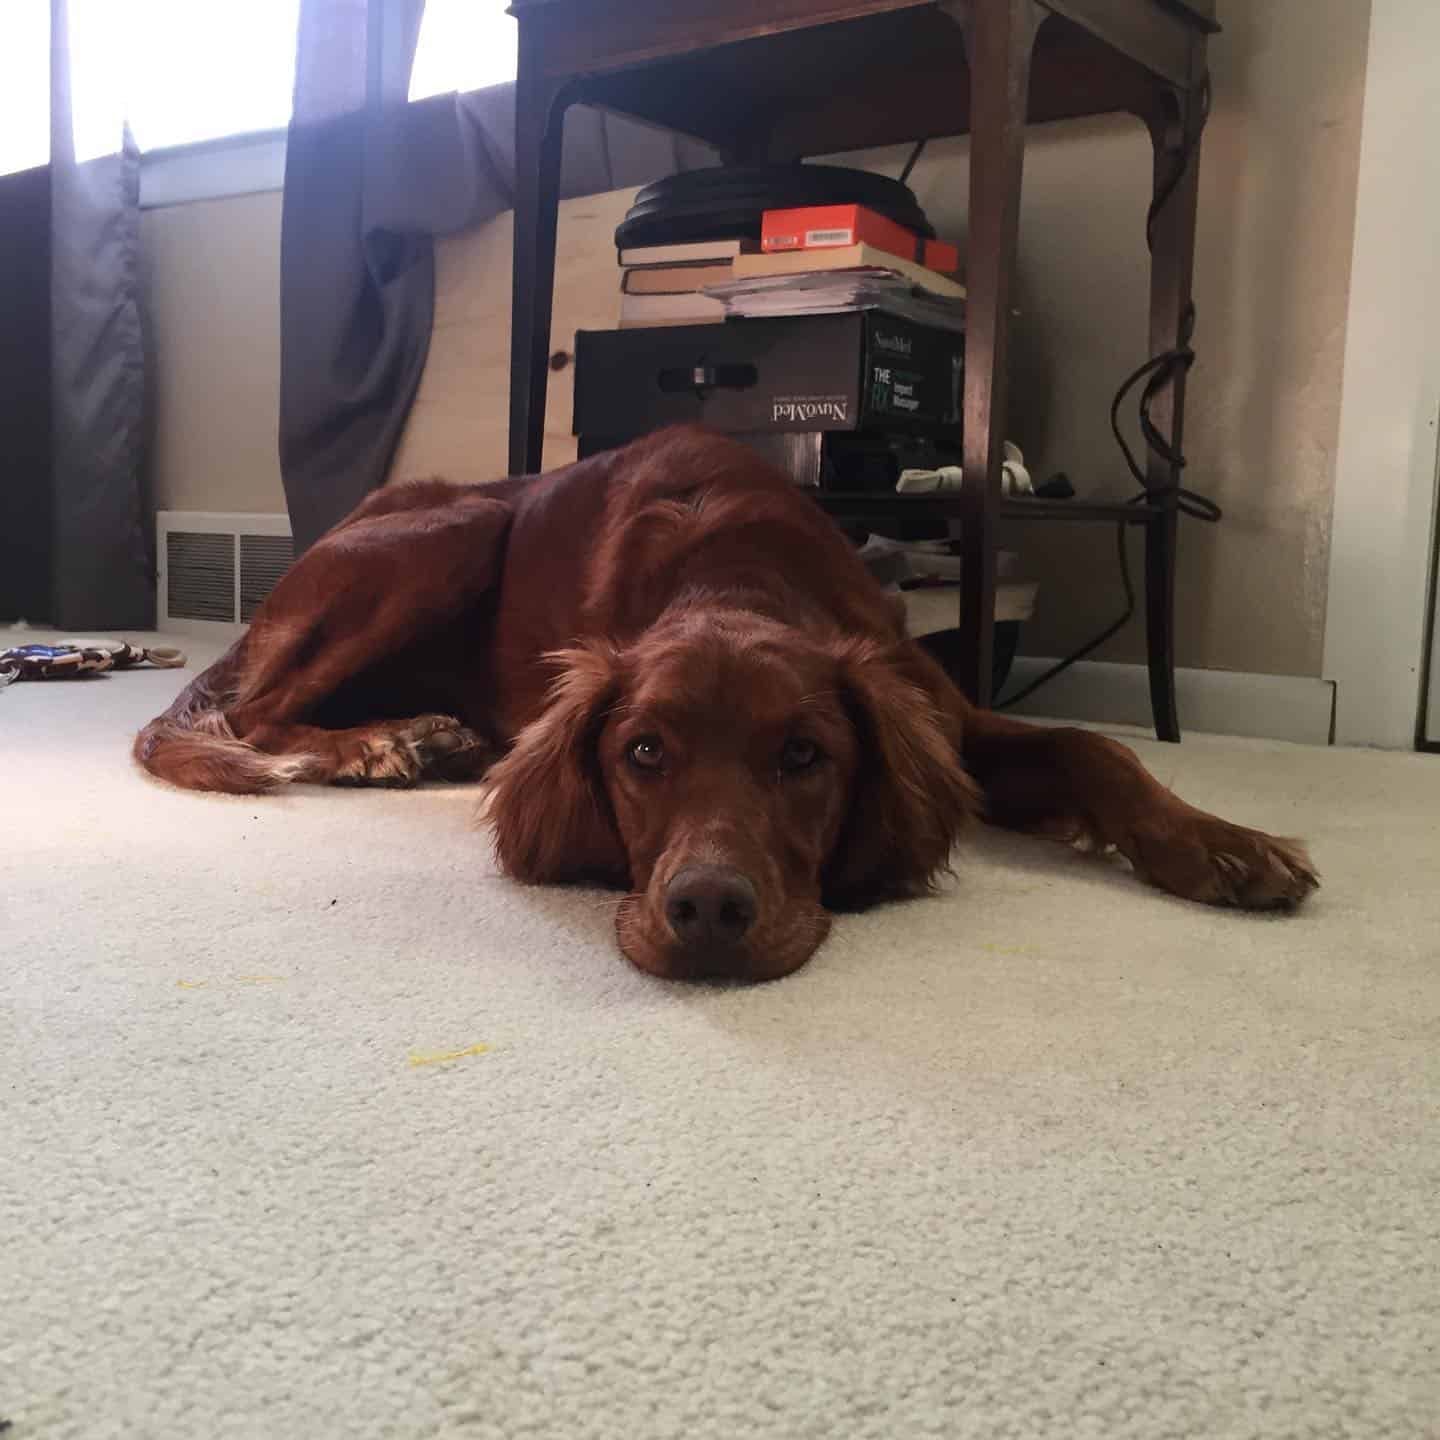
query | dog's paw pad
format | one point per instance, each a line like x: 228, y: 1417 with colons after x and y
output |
x: 448, y: 750
x: 1217, y: 863
x: 1263, y: 872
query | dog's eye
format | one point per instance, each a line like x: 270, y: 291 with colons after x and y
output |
x: 798, y: 755
x: 646, y: 753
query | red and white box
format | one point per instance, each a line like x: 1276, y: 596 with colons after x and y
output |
x: 825, y: 227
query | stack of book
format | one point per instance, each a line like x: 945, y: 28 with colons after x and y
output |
x: 820, y: 260
x: 665, y: 284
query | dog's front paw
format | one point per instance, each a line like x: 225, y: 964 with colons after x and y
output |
x: 404, y: 752
x: 447, y: 750
x: 1203, y: 858
x: 384, y: 756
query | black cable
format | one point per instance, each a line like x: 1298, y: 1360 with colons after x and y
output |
x: 915, y: 154
x: 1090, y: 646
x: 1162, y: 370
x: 1187, y: 149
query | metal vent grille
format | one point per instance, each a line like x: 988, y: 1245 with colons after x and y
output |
x: 263, y: 560
x: 200, y: 575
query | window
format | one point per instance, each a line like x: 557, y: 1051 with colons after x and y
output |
x: 464, y: 45
x: 194, y: 70
x: 205, y: 70
x: 25, y: 86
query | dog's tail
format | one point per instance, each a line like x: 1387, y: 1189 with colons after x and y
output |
x: 193, y: 746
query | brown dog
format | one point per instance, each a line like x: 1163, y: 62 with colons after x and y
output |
x: 677, y: 677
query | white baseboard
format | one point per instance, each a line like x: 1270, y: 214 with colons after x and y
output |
x: 222, y: 632
x: 1215, y: 702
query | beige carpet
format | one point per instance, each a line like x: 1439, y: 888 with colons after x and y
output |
x: 1048, y: 1156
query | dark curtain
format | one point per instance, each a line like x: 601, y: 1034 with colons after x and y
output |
x: 347, y: 284
x: 26, y: 519
x: 104, y: 574
x: 369, y: 181
x: 76, y: 531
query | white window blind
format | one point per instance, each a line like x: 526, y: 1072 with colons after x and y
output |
x: 185, y: 71
x: 24, y: 85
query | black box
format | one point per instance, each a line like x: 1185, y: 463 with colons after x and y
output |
x: 854, y: 371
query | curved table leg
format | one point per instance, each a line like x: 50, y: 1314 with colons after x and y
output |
x: 1175, y: 124
x: 999, y: 42
x: 539, y: 134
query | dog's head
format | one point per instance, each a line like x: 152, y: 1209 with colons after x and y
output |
x: 743, y: 778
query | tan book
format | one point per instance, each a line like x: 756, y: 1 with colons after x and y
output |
x: 845, y: 257
x: 696, y: 252
x: 674, y: 279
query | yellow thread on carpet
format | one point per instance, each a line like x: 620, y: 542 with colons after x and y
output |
x: 239, y: 980
x: 442, y: 1056
x: 1007, y: 949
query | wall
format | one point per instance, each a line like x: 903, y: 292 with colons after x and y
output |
x: 213, y: 284
x: 1277, y: 211
x: 459, y: 423
x: 212, y: 275
x: 1386, y: 485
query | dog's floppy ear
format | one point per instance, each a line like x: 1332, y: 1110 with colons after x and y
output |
x: 545, y: 798
x: 911, y: 797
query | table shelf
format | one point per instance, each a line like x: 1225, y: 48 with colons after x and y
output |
x: 782, y: 80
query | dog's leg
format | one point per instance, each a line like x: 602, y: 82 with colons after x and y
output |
x: 410, y: 561
x: 1085, y: 788
x: 365, y: 592
x: 393, y: 753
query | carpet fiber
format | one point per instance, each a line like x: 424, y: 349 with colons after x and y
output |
x: 311, y: 1125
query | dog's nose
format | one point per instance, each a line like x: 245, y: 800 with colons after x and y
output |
x: 710, y: 906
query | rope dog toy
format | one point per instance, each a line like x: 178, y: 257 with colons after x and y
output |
x: 74, y: 659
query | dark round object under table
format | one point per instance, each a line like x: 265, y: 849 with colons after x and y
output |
x: 726, y: 202
x: 944, y: 645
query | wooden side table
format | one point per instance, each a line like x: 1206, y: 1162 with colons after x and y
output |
x: 779, y: 80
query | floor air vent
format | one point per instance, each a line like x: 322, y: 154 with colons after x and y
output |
x: 215, y: 570
x: 263, y: 560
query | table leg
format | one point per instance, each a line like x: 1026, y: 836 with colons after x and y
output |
x: 1000, y: 38
x: 1175, y: 127
x: 539, y: 132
